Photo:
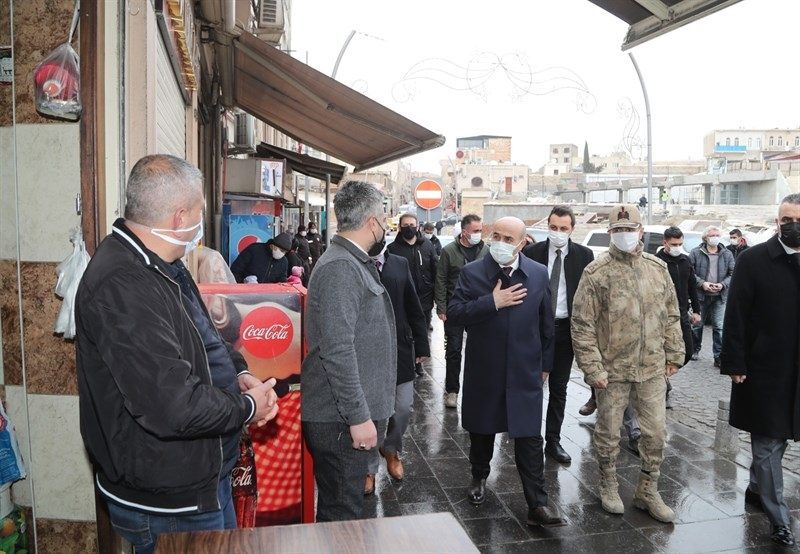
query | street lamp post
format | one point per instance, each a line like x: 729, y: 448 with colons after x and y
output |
x: 327, y: 156
x: 649, y: 141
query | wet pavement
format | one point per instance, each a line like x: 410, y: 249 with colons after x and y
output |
x: 706, y: 490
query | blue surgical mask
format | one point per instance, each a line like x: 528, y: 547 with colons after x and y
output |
x: 188, y: 245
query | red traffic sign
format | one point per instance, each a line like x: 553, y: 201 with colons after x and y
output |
x: 428, y: 195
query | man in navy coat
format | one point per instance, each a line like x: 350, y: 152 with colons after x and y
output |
x: 503, y: 300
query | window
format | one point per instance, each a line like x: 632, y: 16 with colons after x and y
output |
x: 797, y: 141
x: 566, y: 160
x: 772, y: 141
x: 555, y: 150
x: 758, y: 143
x: 555, y: 172
x: 750, y: 143
x: 736, y: 141
x: 566, y: 150
x: 599, y: 238
x: 727, y: 142
x: 780, y: 141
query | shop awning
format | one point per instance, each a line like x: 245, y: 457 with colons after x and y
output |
x: 303, y: 163
x: 319, y: 111
x: 651, y: 18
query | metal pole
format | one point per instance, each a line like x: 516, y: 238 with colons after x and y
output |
x: 327, y: 210
x: 327, y: 156
x: 649, y: 142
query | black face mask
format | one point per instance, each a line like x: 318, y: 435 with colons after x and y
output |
x: 379, y: 245
x: 790, y: 234
x: 408, y: 232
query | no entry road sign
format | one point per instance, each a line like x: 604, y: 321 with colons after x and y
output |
x: 428, y: 195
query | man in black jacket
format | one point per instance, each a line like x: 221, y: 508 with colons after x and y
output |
x: 316, y: 243
x: 738, y: 243
x: 266, y: 262
x: 421, y: 257
x: 412, y: 348
x: 682, y: 274
x: 565, y: 261
x: 428, y: 233
x: 302, y: 244
x: 159, y: 396
x: 760, y: 352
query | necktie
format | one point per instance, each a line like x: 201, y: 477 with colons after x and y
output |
x: 378, y: 265
x: 555, y: 277
x: 507, y: 271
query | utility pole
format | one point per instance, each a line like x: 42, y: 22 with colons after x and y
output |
x: 649, y: 142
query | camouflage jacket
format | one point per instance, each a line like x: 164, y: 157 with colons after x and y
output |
x: 625, y: 318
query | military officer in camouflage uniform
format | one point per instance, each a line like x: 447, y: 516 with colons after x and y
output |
x: 626, y: 332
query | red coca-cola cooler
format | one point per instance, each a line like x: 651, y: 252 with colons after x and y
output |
x: 265, y: 324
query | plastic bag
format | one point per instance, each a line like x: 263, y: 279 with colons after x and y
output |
x: 11, y: 468
x: 69, y: 274
x: 57, y: 83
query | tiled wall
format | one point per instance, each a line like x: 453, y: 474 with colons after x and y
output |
x: 42, y: 403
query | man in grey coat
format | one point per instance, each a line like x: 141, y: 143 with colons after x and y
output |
x: 350, y: 372
x: 713, y: 269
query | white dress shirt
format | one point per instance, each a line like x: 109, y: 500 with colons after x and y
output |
x: 562, y: 310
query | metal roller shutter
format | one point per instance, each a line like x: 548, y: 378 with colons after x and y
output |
x: 170, y: 109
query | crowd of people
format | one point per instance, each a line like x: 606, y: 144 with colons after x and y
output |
x: 159, y: 386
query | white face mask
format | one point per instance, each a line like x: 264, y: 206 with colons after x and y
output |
x: 312, y: 231
x: 674, y: 251
x: 428, y: 236
x: 558, y: 239
x: 713, y: 241
x: 475, y: 238
x: 627, y: 242
x: 188, y: 245
x: 302, y: 233
x: 503, y: 253
x: 277, y: 253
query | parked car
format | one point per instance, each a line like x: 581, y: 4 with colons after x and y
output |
x: 538, y: 233
x: 599, y: 240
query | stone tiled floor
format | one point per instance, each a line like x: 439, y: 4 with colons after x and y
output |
x: 705, y: 490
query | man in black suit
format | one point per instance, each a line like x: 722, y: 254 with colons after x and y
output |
x: 565, y: 261
x: 412, y: 348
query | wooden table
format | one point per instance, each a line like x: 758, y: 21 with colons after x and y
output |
x: 418, y: 534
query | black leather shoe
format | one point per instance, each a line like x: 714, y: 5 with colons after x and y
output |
x: 588, y: 408
x: 782, y: 535
x: 696, y: 356
x: 752, y: 498
x: 555, y: 451
x: 545, y: 516
x: 477, y: 492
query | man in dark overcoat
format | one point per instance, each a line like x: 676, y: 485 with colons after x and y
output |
x: 503, y: 300
x: 412, y: 348
x: 760, y: 352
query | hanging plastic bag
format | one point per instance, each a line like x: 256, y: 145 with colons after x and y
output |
x: 69, y: 274
x: 57, y: 80
x: 11, y: 467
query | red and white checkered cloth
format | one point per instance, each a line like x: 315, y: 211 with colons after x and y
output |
x: 278, y: 452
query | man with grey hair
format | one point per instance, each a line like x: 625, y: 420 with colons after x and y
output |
x: 161, y: 401
x: 350, y: 372
x: 713, y: 269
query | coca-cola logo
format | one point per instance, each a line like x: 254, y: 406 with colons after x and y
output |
x: 266, y: 332
x: 242, y: 477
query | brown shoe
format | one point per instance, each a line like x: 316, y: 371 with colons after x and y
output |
x: 588, y: 408
x: 394, y: 465
x: 369, y: 484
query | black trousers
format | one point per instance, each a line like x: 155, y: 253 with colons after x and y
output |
x: 688, y: 340
x: 339, y: 469
x: 529, y: 457
x: 453, y: 344
x: 558, y: 380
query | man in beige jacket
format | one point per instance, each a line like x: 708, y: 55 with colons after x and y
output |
x: 626, y: 334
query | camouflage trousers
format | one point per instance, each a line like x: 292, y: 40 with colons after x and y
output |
x: 648, y: 398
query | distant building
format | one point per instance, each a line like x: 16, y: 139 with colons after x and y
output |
x: 483, y: 149
x: 562, y: 158
x: 723, y: 146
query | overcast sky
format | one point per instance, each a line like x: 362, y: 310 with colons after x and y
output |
x: 552, y: 71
